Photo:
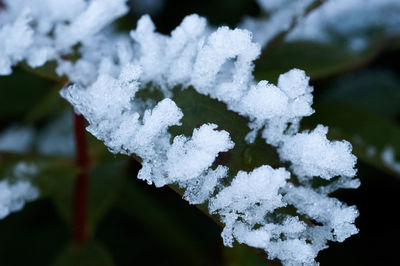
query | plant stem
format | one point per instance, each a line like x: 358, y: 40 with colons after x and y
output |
x: 80, y: 204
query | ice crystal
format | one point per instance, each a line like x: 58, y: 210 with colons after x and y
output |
x: 14, y: 195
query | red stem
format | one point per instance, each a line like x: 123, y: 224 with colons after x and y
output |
x: 80, y: 227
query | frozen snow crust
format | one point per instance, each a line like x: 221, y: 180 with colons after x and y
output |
x: 113, y: 68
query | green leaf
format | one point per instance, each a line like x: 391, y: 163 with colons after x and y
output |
x: 319, y: 60
x: 47, y: 71
x: 104, y: 184
x: 200, y: 109
x: 51, y: 175
x: 165, y: 227
x: 19, y: 93
x: 365, y: 131
x: 48, y: 106
x: 375, y: 90
x: 91, y: 254
x: 240, y: 255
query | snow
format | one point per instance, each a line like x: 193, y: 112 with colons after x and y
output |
x: 355, y: 16
x: 114, y: 67
x: 304, y: 150
x: 282, y: 14
x: 38, y: 31
x: 17, y: 139
x: 187, y: 159
x: 97, y: 15
x: 14, y: 195
x: 389, y: 159
x: 15, y: 38
x: 219, y: 64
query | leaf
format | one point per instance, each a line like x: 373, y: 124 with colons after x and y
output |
x: 240, y: 255
x: 19, y: 93
x: 90, y: 254
x: 162, y: 224
x: 47, y: 71
x: 375, y: 90
x: 32, y: 236
x: 365, y: 131
x: 55, y: 178
x: 200, y: 109
x: 319, y: 60
x: 51, y: 174
x: 104, y: 184
x: 48, y: 106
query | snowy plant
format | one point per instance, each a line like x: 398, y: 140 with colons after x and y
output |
x: 321, y: 24
x: 13, y: 195
x: 112, y: 72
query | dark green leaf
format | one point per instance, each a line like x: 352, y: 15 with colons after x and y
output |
x: 48, y: 106
x: 200, y: 109
x: 164, y: 226
x: 365, y: 130
x: 104, y: 184
x: 377, y: 91
x: 19, y: 93
x: 47, y: 71
x: 319, y: 60
x: 240, y: 255
x: 91, y: 254
x: 51, y: 175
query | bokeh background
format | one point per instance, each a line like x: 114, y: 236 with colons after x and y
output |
x: 357, y: 94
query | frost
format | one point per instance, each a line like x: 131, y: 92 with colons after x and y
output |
x: 355, y: 17
x: 98, y: 14
x: 38, y: 31
x: 388, y: 157
x: 337, y: 218
x: 248, y: 199
x: 15, y: 38
x: 187, y: 159
x: 282, y: 14
x: 223, y: 65
x: 304, y: 151
x: 108, y: 106
x: 17, y: 139
x: 219, y: 64
x: 371, y: 151
x: 57, y: 138
x: 14, y: 195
